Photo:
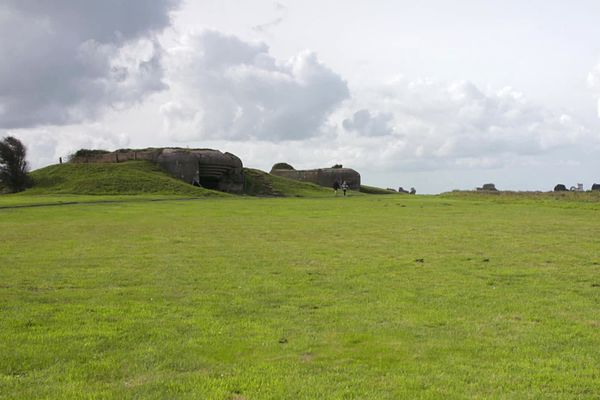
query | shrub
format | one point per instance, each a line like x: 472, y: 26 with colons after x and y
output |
x: 87, y: 153
x: 14, y: 175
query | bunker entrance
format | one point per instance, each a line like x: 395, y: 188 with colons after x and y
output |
x: 209, y: 182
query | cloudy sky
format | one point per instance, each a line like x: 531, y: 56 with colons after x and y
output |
x: 433, y: 94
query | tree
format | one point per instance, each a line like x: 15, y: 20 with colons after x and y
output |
x: 13, y: 166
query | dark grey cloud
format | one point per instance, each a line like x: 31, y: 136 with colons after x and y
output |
x: 104, y: 21
x: 65, y: 60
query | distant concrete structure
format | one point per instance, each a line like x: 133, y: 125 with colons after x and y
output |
x: 323, y: 176
x: 560, y: 188
x: 208, y: 168
x: 596, y: 187
x: 488, y: 187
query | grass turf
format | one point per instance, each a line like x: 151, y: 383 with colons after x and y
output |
x: 362, y: 297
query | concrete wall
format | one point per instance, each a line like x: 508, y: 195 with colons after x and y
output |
x: 116, y: 156
x: 323, y: 177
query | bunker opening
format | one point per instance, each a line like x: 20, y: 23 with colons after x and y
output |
x: 209, y: 182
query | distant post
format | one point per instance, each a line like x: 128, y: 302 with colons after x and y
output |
x: 60, y: 160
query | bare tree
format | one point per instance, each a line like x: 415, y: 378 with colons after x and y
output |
x: 13, y: 166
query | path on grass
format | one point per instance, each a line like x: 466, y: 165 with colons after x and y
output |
x: 69, y: 203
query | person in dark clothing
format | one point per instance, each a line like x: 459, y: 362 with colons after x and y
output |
x: 336, y: 187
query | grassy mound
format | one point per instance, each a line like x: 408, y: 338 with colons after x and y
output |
x: 375, y: 190
x: 259, y: 183
x: 128, y: 178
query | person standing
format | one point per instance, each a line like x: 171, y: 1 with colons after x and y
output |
x: 336, y: 187
x: 344, y: 187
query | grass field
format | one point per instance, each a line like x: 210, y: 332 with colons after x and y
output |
x: 366, y: 297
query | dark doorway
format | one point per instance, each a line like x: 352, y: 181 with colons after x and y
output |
x: 209, y: 182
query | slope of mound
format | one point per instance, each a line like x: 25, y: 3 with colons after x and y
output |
x: 375, y: 190
x: 259, y: 183
x: 128, y: 178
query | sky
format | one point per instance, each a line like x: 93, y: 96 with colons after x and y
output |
x: 430, y: 94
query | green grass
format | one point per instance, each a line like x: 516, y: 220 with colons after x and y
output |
x: 589, y: 196
x: 291, y: 298
x: 588, y: 200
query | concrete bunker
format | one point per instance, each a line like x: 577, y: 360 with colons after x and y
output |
x: 323, y: 176
x: 208, y: 168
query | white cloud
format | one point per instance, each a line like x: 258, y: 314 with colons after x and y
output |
x: 593, y: 80
x: 226, y: 88
x: 46, y: 145
x: 425, y: 124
